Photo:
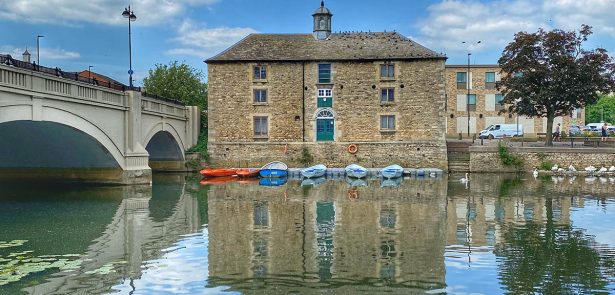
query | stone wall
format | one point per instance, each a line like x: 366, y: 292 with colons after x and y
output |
x: 417, y: 140
x: 408, y: 154
x: 487, y: 159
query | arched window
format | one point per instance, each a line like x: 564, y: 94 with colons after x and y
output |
x: 325, y: 113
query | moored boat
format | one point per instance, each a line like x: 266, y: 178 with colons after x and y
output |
x: 392, y: 171
x: 356, y: 171
x: 218, y: 172
x: 218, y: 180
x: 274, y: 169
x: 248, y: 172
x: 314, y: 171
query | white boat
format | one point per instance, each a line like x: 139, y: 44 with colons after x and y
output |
x: 274, y: 170
x: 392, y: 171
x: 356, y: 171
x: 314, y: 171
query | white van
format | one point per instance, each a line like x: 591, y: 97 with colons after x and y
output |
x: 501, y: 130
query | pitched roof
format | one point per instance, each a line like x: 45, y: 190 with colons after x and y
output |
x: 339, y: 46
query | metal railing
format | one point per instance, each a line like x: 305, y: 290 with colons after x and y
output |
x: 74, y: 76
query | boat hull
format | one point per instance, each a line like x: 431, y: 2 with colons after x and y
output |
x: 272, y: 181
x: 392, y: 171
x: 273, y: 173
x: 218, y: 172
x: 248, y: 172
x: 355, y: 171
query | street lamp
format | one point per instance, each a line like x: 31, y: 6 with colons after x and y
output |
x: 129, y: 14
x: 90, y: 72
x: 468, y: 86
x: 38, y: 49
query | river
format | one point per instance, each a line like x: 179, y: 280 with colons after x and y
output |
x: 497, y: 234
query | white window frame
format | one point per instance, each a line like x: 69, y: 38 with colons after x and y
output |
x: 322, y: 92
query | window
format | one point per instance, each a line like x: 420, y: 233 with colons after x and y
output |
x: 499, y: 102
x: 260, y: 72
x: 462, y: 80
x: 261, y: 128
x: 490, y: 80
x: 387, y: 71
x: 387, y: 122
x: 387, y: 95
x: 324, y: 73
x: 261, y: 214
x: 260, y: 95
x: 325, y: 98
x: 472, y: 102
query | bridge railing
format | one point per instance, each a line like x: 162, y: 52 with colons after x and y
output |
x: 169, y: 108
x: 88, y: 91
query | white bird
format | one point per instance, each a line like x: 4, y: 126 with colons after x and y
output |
x: 535, y: 173
x: 590, y: 169
x: 571, y: 168
x: 612, y: 169
x: 554, y: 168
x: 465, y: 179
x: 602, y: 170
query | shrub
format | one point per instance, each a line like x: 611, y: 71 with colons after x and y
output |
x: 306, y: 158
x: 509, y: 159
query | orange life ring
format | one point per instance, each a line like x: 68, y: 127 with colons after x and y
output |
x: 353, y: 148
x: 353, y: 194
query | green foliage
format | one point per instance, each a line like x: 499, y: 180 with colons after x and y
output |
x: 546, y: 165
x: 178, y: 81
x: 603, y: 110
x: 551, y: 74
x: 306, y: 158
x: 201, y: 146
x: 509, y: 159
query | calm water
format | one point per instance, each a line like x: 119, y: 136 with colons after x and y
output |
x: 499, y: 234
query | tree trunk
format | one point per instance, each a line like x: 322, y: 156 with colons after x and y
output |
x: 550, y: 118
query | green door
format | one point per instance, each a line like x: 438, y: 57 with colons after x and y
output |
x: 324, y: 129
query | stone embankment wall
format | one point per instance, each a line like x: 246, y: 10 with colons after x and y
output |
x: 487, y: 159
x: 410, y: 154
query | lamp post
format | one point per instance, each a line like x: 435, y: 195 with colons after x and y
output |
x: 129, y: 14
x: 90, y: 72
x: 468, y: 86
x: 38, y: 49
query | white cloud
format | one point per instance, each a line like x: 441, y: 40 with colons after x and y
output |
x: 205, y: 42
x: 72, y: 12
x: 46, y: 53
x: 450, y: 22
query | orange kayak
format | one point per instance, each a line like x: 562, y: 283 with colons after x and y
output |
x: 218, y: 172
x: 218, y: 180
x: 247, y: 172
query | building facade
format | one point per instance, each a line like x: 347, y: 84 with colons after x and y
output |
x: 289, y: 97
x: 482, y: 107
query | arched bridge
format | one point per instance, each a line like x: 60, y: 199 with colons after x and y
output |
x: 56, y: 125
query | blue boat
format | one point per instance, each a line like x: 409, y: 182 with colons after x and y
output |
x: 274, y: 170
x: 356, y: 171
x: 272, y: 181
x: 392, y: 171
x: 314, y: 171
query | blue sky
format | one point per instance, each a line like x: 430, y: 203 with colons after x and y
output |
x: 80, y: 33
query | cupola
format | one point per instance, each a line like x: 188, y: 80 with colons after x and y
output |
x: 322, y: 22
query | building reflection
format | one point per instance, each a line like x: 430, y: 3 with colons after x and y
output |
x: 297, y: 239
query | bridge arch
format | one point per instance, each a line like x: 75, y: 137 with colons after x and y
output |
x: 24, y: 112
x: 163, y: 142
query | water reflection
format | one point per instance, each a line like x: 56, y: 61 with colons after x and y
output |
x: 497, y: 234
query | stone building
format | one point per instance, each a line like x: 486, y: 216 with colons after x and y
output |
x: 286, y: 96
x: 484, y: 103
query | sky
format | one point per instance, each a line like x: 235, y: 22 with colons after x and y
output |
x: 78, y: 33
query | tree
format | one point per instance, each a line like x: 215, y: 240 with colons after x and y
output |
x: 548, y: 74
x: 183, y: 83
x: 603, y: 110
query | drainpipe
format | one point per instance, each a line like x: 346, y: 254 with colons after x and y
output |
x: 303, y: 103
